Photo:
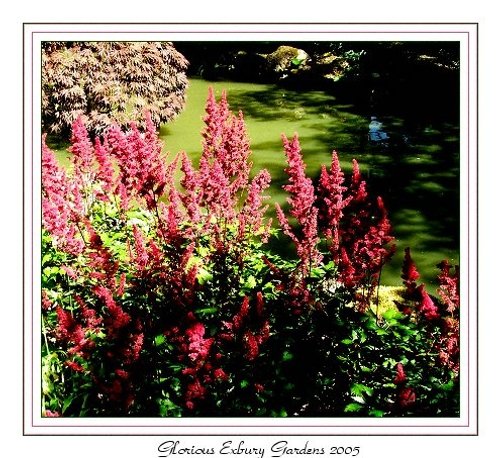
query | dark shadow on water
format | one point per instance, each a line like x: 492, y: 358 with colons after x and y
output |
x: 416, y: 172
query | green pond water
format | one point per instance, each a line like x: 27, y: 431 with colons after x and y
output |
x: 416, y: 173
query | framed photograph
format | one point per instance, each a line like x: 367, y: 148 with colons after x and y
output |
x: 255, y: 229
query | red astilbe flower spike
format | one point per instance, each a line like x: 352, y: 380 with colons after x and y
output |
x: 400, y: 374
x: 100, y: 258
x: 219, y: 374
x: 410, y: 274
x: 70, y: 331
x: 46, y: 302
x: 117, y: 318
x: 406, y: 397
x: 426, y: 305
x: 357, y: 188
x: 331, y: 202
x: 449, y: 344
x: 301, y: 201
x: 66, y: 324
x: 448, y: 289
x: 365, y: 241
x: 376, y: 248
x: 140, y: 257
x: 356, y: 221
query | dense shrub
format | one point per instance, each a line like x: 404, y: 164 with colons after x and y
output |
x: 110, y: 82
x: 167, y: 301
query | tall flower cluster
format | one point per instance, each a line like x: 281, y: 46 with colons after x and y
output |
x: 417, y: 295
x: 331, y: 202
x: 366, y: 243
x: 449, y: 344
x: 140, y: 161
x: 220, y: 193
x: 302, y: 207
x: 420, y: 302
x: 357, y: 230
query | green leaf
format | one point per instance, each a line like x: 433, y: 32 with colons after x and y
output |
x: 244, y: 383
x: 159, y: 339
x: 346, y: 341
x: 207, y: 310
x: 353, y: 407
x: 448, y: 386
x: 287, y: 356
x: 251, y: 283
x: 358, y: 389
x: 376, y: 413
x: 204, y: 276
x: 67, y: 403
x: 392, y: 314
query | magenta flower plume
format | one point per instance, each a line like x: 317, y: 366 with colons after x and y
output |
x: 106, y: 172
x: 409, y: 274
x: 331, y: 202
x: 81, y: 147
x: 426, y: 305
x: 252, y: 213
x: 301, y: 201
x: 448, y: 289
x: 60, y: 213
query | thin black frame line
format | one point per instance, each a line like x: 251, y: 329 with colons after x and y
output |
x: 252, y: 23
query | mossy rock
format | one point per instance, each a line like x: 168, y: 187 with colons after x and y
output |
x: 286, y: 58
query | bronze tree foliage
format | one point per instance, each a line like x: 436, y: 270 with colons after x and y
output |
x: 110, y: 82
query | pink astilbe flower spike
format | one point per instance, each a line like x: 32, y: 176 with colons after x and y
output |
x: 217, y: 194
x: 448, y: 289
x: 191, y: 183
x: 59, y: 215
x: 234, y: 153
x: 140, y: 160
x: 252, y: 213
x: 81, y: 147
x: 106, y: 171
x: 426, y: 305
x: 216, y: 117
x: 301, y: 201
